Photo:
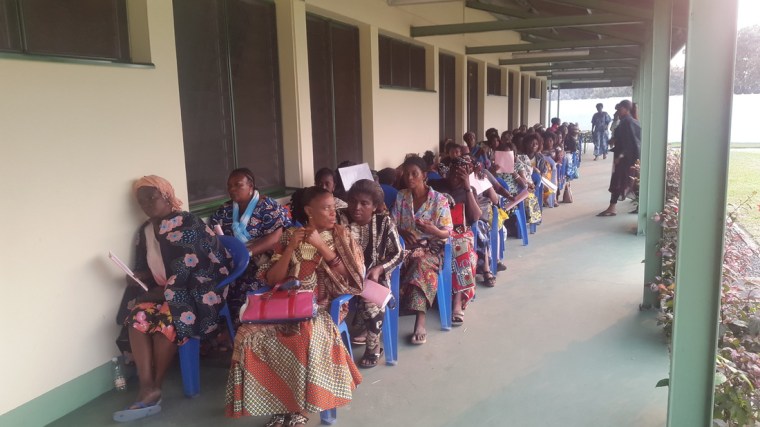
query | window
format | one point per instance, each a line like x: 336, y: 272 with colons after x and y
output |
x: 402, y: 64
x: 446, y: 97
x: 335, y: 87
x: 93, y: 29
x: 494, y: 81
x: 472, y: 96
x: 533, y: 88
x: 229, y: 94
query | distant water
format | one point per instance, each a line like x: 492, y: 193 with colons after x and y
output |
x: 742, y: 122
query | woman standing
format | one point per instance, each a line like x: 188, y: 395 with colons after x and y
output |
x: 423, y: 219
x: 255, y: 220
x: 289, y: 369
x: 182, y: 261
x: 627, y: 152
x: 371, y: 227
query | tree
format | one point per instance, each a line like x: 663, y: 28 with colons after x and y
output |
x: 747, y: 75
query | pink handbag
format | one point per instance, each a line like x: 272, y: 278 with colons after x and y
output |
x: 283, y: 304
x: 376, y: 293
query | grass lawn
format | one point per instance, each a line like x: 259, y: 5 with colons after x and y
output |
x: 743, y: 180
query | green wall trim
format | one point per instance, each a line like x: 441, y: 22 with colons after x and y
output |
x: 74, y: 60
x: 61, y: 400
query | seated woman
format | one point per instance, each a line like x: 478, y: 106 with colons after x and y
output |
x: 372, y: 228
x: 424, y: 221
x: 325, y: 178
x: 532, y: 206
x: 182, y: 261
x: 289, y: 369
x: 255, y: 220
x: 547, y: 152
x: 464, y: 211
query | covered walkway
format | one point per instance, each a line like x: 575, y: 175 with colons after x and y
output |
x: 565, y: 347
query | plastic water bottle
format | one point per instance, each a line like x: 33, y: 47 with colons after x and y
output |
x: 119, y: 382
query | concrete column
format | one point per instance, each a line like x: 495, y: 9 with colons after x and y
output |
x: 645, y: 111
x: 710, y: 58
x: 524, y: 99
x: 515, y: 102
x: 294, y: 92
x: 369, y: 58
x: 542, y: 93
x: 658, y: 141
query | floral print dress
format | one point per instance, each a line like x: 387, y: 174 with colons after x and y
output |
x: 193, y: 263
x: 419, y: 274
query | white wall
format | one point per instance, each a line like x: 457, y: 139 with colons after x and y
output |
x: 496, y: 109
x: 74, y: 137
x: 534, y: 112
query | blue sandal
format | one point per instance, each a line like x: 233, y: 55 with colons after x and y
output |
x: 143, y: 410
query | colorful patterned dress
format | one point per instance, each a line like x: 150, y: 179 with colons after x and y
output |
x: 380, y: 244
x: 185, y: 257
x: 419, y: 275
x: 531, y: 203
x: 304, y: 366
x: 267, y: 217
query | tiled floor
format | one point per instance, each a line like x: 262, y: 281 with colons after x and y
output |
x: 558, y: 342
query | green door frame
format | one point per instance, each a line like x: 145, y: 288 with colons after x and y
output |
x: 710, y: 58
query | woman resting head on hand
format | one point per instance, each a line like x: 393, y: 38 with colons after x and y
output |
x: 181, y: 261
x: 300, y: 355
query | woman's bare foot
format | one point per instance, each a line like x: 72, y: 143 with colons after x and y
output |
x: 148, y: 397
x: 420, y: 333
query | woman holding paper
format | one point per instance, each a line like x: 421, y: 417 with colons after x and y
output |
x: 372, y: 228
x: 290, y: 369
x: 423, y: 219
x: 181, y: 260
x: 255, y: 220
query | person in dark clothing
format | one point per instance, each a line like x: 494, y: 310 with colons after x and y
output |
x: 627, y: 153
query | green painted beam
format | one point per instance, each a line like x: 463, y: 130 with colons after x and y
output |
x: 593, y: 57
x: 569, y: 44
x: 522, y: 24
x: 583, y: 76
x: 708, y: 88
x: 607, y: 6
x: 522, y: 14
x: 613, y: 83
x: 564, y: 66
x: 658, y: 143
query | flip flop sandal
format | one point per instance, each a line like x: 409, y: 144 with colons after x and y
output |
x: 143, y: 410
x: 606, y: 214
x: 416, y: 341
x: 276, y: 419
x: 489, y: 280
x: 457, y: 319
x: 294, y: 419
x: 370, y: 359
x: 359, y: 340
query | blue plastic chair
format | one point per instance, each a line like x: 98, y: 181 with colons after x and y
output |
x: 390, y: 322
x: 390, y: 194
x: 522, y: 224
x: 189, y: 353
x: 443, y: 296
x: 540, y: 197
x: 495, y: 244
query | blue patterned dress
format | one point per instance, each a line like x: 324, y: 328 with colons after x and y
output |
x: 267, y: 217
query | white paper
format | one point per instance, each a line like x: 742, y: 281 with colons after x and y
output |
x: 505, y: 160
x: 548, y: 184
x: 480, y: 185
x: 126, y: 269
x: 350, y: 174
